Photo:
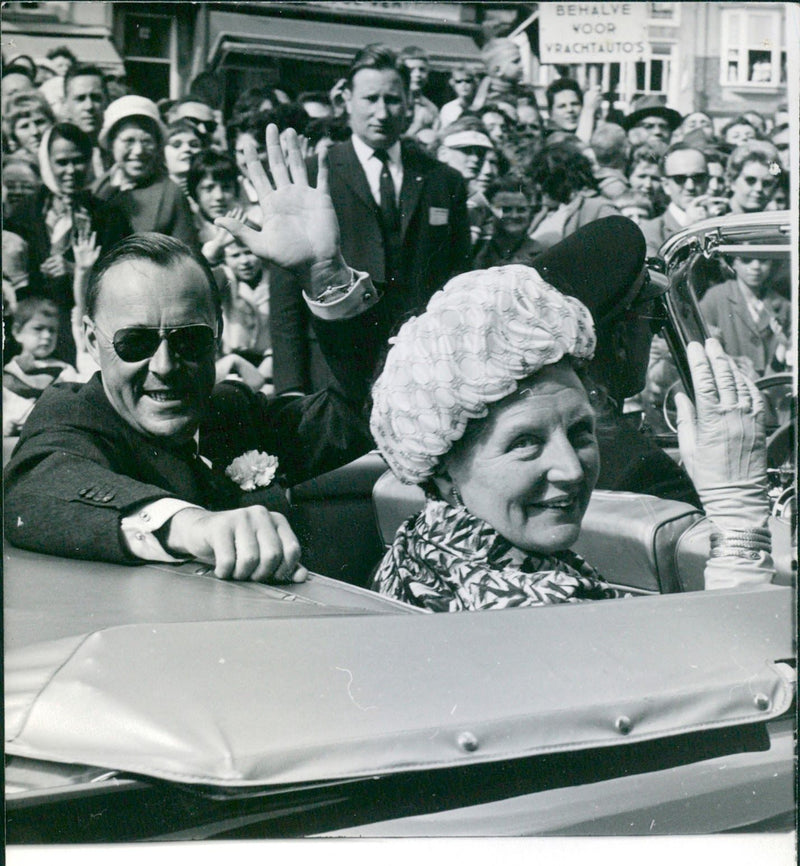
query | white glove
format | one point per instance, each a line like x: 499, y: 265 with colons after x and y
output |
x: 723, y: 446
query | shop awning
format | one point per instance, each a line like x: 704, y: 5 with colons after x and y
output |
x: 332, y: 42
x: 88, y: 44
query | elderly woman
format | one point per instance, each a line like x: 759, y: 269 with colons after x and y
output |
x: 752, y: 172
x: 26, y: 117
x: 482, y: 402
x: 138, y: 182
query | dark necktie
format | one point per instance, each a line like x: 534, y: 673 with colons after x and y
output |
x: 390, y: 215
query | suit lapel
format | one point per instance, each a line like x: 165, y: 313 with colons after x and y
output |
x: 414, y: 175
x: 346, y: 167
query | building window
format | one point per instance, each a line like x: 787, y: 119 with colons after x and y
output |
x: 664, y: 13
x: 753, y: 48
x: 149, y: 49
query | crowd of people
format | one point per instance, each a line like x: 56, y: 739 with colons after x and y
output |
x: 300, y: 304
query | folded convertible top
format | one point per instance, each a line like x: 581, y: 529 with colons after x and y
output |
x: 275, y: 700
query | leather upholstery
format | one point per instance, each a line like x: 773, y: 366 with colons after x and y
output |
x: 631, y: 538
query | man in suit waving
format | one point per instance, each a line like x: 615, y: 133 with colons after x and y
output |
x: 403, y: 216
x: 149, y: 461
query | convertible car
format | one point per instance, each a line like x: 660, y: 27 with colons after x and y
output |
x: 158, y: 703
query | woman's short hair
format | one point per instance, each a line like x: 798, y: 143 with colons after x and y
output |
x: 562, y: 84
x: 75, y: 135
x: 21, y: 106
x: 755, y: 150
x: 560, y: 170
x: 210, y: 164
x: 737, y: 121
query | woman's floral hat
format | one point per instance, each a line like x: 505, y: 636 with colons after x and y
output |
x: 480, y: 335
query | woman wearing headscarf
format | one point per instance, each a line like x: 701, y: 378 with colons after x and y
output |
x: 49, y: 220
x: 137, y: 182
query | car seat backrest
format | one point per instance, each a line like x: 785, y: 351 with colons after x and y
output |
x: 630, y: 538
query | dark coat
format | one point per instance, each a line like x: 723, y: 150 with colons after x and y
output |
x: 435, y: 247
x: 79, y: 467
x: 160, y: 206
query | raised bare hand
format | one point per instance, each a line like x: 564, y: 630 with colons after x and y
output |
x: 299, y: 226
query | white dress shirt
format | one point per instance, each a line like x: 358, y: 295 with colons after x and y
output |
x: 373, y: 167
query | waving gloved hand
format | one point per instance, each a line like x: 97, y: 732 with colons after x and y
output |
x: 723, y: 445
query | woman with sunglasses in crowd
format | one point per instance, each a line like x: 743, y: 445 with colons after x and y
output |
x: 753, y: 171
x: 138, y: 182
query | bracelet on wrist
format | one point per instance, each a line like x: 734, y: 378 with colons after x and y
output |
x: 745, y: 543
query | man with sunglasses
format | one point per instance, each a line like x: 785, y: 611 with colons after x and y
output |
x: 149, y: 460
x: 685, y: 182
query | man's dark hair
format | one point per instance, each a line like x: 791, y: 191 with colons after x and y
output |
x: 313, y: 96
x: 412, y: 52
x: 643, y: 153
x: 19, y: 67
x: 335, y: 128
x: 509, y: 183
x: 85, y: 70
x: 562, y: 84
x: 379, y: 57
x: 150, y: 247
x: 561, y: 170
x: 61, y: 51
x: 210, y: 164
x: 75, y: 135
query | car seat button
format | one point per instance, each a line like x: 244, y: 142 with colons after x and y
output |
x: 761, y: 701
x: 624, y: 725
x: 468, y: 741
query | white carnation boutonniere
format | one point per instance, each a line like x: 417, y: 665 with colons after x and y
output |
x: 253, y: 469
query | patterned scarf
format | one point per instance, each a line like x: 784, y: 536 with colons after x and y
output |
x: 446, y: 559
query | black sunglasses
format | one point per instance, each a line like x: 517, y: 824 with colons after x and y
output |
x: 190, y: 343
x: 209, y: 125
x: 697, y: 179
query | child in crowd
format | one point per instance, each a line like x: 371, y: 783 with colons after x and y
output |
x: 463, y: 82
x: 212, y: 187
x: 35, y: 328
x: 245, y: 314
x: 182, y: 144
x: 510, y: 202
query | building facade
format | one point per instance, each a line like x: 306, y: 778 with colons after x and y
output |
x: 719, y: 57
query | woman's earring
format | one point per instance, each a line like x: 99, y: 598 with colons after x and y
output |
x: 457, y: 496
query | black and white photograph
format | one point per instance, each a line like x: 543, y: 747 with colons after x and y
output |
x: 399, y: 431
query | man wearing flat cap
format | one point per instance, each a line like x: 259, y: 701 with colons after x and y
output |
x: 403, y: 217
x: 650, y: 120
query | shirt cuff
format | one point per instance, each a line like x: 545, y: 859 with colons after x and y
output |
x: 345, y: 302
x: 139, y: 528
